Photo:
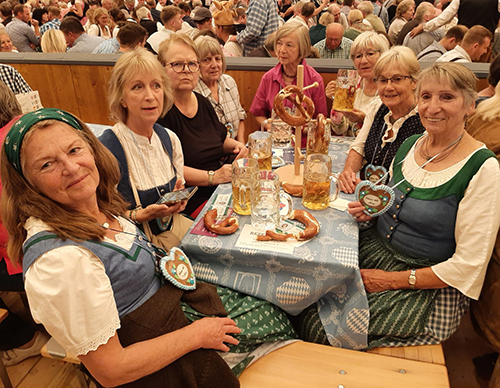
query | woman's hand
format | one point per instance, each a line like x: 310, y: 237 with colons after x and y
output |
x: 223, y: 174
x: 355, y: 116
x: 348, y: 181
x: 240, y: 150
x: 330, y: 88
x: 158, y: 211
x: 214, y: 333
x: 356, y: 209
x: 376, y: 280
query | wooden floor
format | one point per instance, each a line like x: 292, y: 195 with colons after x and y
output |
x: 40, y: 372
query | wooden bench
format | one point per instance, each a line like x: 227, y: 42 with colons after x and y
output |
x: 303, y: 364
x: 52, y: 349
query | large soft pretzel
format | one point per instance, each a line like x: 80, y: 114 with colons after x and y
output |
x: 318, y: 144
x: 305, y: 114
x: 311, y: 230
x: 228, y: 225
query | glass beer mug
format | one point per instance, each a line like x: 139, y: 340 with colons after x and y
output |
x: 345, y: 92
x: 260, y: 149
x: 317, y: 182
x: 267, y: 200
x: 240, y: 181
x: 281, y: 132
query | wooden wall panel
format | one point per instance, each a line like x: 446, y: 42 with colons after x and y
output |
x: 82, y: 89
x: 91, y: 86
x: 54, y: 84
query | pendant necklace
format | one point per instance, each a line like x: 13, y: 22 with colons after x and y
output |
x: 378, y: 198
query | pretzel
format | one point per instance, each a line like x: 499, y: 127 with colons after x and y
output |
x: 293, y: 190
x: 228, y: 225
x: 305, y: 114
x: 317, y: 144
x: 311, y: 230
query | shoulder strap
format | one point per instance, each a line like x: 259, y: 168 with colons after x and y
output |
x: 427, y: 53
x: 455, y: 59
x: 111, y: 142
x: 167, y: 143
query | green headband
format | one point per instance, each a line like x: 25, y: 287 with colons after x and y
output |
x: 14, y: 138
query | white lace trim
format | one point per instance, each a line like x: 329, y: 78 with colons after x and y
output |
x: 424, y: 179
x: 101, y: 338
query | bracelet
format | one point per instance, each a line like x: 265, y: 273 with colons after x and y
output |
x: 133, y: 214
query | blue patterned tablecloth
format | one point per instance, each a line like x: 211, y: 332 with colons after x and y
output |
x: 324, y: 270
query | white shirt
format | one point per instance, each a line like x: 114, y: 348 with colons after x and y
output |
x: 446, y: 16
x: 457, y: 52
x: 139, y: 149
x: 158, y: 37
x: 73, y: 299
x: 478, y: 219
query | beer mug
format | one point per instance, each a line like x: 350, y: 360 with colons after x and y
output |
x: 345, y: 92
x: 267, y: 200
x: 317, y: 182
x: 241, y: 179
x: 260, y: 149
x: 281, y: 132
x: 318, y: 137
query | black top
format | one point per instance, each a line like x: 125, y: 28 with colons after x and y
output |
x: 374, y: 153
x: 202, y: 138
x: 482, y: 12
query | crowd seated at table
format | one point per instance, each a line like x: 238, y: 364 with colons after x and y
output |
x: 179, y: 122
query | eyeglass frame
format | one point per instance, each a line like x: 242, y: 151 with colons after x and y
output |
x: 360, y: 56
x: 184, y: 65
x: 393, y: 81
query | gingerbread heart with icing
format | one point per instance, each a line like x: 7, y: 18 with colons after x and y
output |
x: 178, y: 270
x: 375, y: 174
x: 376, y: 199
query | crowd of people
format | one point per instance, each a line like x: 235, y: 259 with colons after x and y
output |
x: 179, y: 122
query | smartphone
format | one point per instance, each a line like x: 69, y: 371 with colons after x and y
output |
x: 177, y: 196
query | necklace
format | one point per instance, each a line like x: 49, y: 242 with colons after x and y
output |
x: 443, y: 153
x: 285, y: 74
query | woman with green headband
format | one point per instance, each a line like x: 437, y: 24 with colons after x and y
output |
x: 91, y: 275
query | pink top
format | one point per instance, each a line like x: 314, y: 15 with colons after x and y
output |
x: 272, y: 82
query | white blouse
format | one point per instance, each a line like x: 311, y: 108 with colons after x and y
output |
x: 147, y: 160
x: 70, y: 294
x: 478, y: 219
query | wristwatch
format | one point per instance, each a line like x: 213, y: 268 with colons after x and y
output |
x: 412, y: 279
x: 211, y: 177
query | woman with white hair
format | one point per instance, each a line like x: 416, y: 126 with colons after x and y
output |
x: 365, y: 52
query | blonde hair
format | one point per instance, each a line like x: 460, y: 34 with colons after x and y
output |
x: 326, y: 19
x: 98, y: 13
x: 53, y: 42
x: 459, y: 78
x: 302, y: 34
x: 125, y: 68
x: 400, y: 56
x: 206, y: 46
x: 176, y: 38
x: 369, y: 39
x: 20, y: 200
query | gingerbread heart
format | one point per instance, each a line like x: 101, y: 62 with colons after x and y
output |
x: 376, y: 199
x: 375, y: 174
x: 177, y: 269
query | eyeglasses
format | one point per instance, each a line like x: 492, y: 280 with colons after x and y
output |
x: 368, y: 55
x: 395, y: 79
x: 179, y: 67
